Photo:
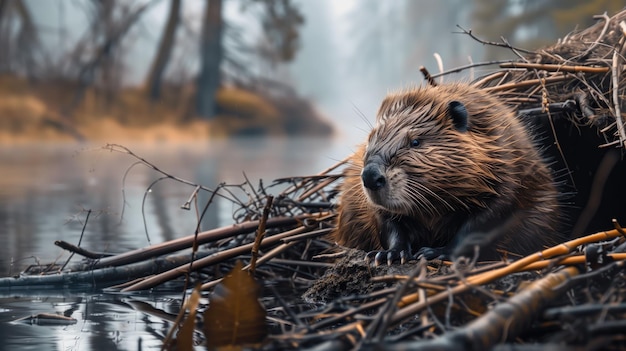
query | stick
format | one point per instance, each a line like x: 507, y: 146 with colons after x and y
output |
x: 504, y: 321
x: 98, y: 278
x: 615, y: 74
x: 260, y: 233
x: 493, y: 43
x: 187, y: 242
x: 428, y: 77
x: 205, y: 262
x: 471, y: 65
x: 607, y: 20
x: 527, y: 83
x: 79, y: 250
x: 410, y: 307
x: 554, y: 68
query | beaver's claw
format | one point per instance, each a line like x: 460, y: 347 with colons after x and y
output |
x: 388, y: 256
x: 431, y: 253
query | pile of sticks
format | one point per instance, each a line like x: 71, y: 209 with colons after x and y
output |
x: 580, y: 76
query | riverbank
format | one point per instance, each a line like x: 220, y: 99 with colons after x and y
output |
x: 63, y: 111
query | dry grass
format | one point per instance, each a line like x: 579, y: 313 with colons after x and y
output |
x: 46, y: 111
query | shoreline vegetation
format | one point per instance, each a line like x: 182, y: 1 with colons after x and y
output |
x: 46, y: 111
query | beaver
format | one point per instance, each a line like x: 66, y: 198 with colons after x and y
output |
x: 447, y: 170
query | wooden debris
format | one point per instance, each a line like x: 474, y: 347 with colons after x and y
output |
x: 577, y: 84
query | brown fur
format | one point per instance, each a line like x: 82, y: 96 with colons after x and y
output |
x: 490, y: 175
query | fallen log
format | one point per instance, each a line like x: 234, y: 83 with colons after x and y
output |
x: 97, y: 278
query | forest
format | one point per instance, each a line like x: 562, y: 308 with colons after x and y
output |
x: 237, y: 67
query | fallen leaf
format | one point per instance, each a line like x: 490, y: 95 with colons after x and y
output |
x: 235, y: 316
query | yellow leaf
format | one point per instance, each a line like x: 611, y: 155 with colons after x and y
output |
x: 185, y: 336
x: 235, y: 316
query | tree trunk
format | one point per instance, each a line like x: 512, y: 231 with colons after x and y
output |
x: 210, y: 59
x: 28, y: 41
x: 113, y: 35
x: 163, y: 54
x: 5, y: 37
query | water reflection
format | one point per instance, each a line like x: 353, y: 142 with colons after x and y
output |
x: 105, y: 322
x: 46, y: 190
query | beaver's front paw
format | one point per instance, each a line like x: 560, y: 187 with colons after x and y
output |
x: 388, y: 256
x: 431, y: 253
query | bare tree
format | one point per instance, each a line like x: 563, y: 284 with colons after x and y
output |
x: 210, y: 59
x: 5, y: 41
x: 162, y: 57
x: 107, y: 32
x: 26, y: 44
x: 280, y: 22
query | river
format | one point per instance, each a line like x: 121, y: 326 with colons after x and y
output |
x: 98, y: 197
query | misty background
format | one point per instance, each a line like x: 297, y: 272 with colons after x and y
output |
x: 293, y: 60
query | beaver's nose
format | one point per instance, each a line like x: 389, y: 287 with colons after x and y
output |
x: 373, y: 177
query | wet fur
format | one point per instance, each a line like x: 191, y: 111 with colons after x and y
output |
x: 487, y: 185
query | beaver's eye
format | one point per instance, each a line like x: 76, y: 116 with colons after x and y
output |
x: 415, y: 143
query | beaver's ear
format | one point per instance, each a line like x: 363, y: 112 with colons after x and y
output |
x: 458, y: 114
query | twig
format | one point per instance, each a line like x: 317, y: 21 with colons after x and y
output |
x: 505, y: 321
x: 124, y: 150
x: 427, y: 76
x: 618, y: 227
x: 468, y: 66
x: 410, y: 307
x: 493, y: 43
x: 554, y: 68
x: 483, y: 81
x: 82, y: 233
x: 79, y: 250
x: 317, y: 188
x: 143, y: 205
x: 439, y: 64
x: 204, y: 262
x: 323, y: 173
x: 194, y: 194
x: 615, y: 73
x: 202, y: 238
x: 124, y: 202
x: 260, y: 233
x: 515, y: 50
x: 379, y: 326
x: 526, y: 83
x: 195, y: 244
x: 570, y: 261
x: 607, y: 20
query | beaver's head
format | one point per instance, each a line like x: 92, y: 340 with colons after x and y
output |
x: 431, y: 152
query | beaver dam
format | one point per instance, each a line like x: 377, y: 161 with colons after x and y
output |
x: 272, y: 279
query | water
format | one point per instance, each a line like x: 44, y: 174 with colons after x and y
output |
x: 46, y: 192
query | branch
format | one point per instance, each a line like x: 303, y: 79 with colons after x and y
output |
x: 471, y: 65
x: 554, y: 68
x: 187, y: 242
x: 615, y: 75
x: 207, y: 261
x: 493, y: 43
x: 104, y: 277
